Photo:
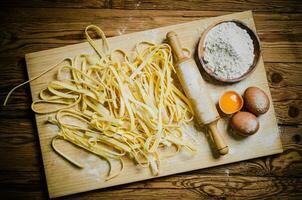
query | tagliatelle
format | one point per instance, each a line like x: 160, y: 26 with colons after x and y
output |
x: 117, y: 107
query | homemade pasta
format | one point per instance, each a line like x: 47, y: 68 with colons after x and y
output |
x: 121, y: 106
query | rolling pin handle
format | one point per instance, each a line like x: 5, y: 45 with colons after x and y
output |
x: 217, y: 139
x: 179, y: 55
x: 175, y: 44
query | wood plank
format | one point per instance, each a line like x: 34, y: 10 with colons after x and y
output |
x: 63, y: 180
x: 19, y: 145
x: 15, y: 180
x: 12, y: 193
x: 180, y: 187
x: 234, y: 5
x: 272, y: 26
x: 225, y: 185
x: 284, y: 74
x: 285, y: 80
x: 282, y: 42
x: 286, y: 83
x: 212, y: 5
x: 57, y: 4
x: 282, y: 165
x: 21, y: 141
x: 14, y: 183
x: 268, y: 25
x: 289, y: 112
x: 11, y: 64
x: 93, y: 15
x: 27, y: 185
x: 13, y: 73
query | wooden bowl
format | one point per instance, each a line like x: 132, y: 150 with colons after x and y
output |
x: 257, y: 52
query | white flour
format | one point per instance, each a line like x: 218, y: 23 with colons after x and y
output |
x: 229, y: 50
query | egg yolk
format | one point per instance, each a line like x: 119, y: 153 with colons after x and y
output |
x: 230, y: 102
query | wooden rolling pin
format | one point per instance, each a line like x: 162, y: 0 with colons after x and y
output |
x: 195, y: 89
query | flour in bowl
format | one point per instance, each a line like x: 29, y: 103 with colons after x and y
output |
x: 229, y: 51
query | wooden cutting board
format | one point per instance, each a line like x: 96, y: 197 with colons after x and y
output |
x: 63, y: 178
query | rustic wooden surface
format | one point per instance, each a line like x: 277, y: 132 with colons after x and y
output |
x: 28, y: 26
x: 64, y: 179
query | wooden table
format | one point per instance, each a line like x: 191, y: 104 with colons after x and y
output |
x: 28, y: 26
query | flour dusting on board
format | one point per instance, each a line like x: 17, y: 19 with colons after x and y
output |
x: 122, y: 30
x: 51, y: 128
x: 152, y: 35
x: 95, y: 167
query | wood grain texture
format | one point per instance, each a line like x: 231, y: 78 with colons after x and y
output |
x: 21, y: 141
x: 213, y: 5
x: 23, y: 33
x: 285, y: 81
x: 42, y: 28
x: 64, y: 179
x: 58, y: 3
x: 14, y: 180
x: 28, y: 26
x: 234, y: 5
x: 187, y: 187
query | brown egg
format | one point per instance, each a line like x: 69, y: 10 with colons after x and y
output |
x: 256, y: 100
x: 244, y: 123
